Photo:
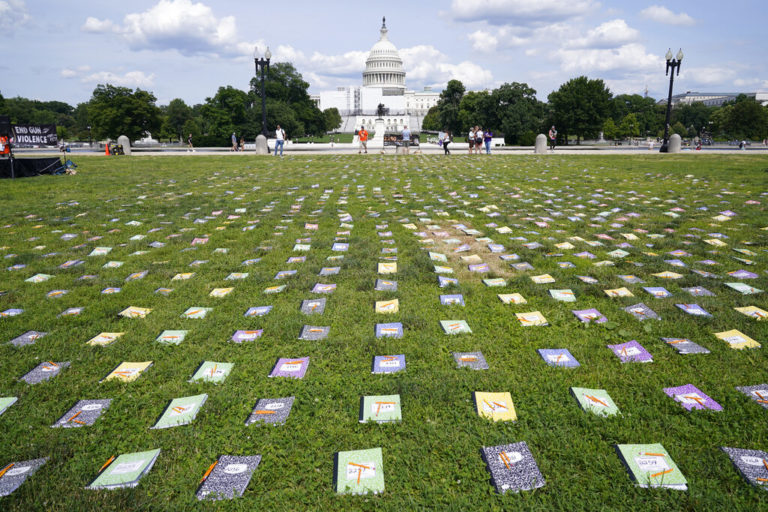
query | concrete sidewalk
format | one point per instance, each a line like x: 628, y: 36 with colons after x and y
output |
x: 457, y: 149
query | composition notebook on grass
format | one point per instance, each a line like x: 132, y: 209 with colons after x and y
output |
x: 359, y: 472
x: 513, y: 468
x: 16, y: 473
x: 228, y: 477
x: 495, y: 406
x: 752, y: 464
x: 651, y: 466
x: 596, y: 401
x: 380, y: 409
x: 125, y: 471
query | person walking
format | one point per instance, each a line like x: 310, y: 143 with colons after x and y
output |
x: 447, y: 139
x: 189, y: 143
x: 471, y: 139
x: 234, y: 142
x: 478, y: 140
x: 406, y: 140
x: 279, y: 139
x: 363, y: 137
x: 552, y: 137
x: 487, y: 138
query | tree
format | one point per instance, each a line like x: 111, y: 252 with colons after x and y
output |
x: 629, y: 127
x: 515, y: 111
x: 432, y: 120
x: 226, y: 112
x: 748, y: 119
x: 286, y: 87
x: 610, y: 131
x: 580, y: 107
x: 332, y: 119
x: 474, y: 110
x: 116, y: 111
x: 679, y: 128
x: 177, y: 114
x: 695, y: 114
x: 645, y: 110
x: 448, y: 106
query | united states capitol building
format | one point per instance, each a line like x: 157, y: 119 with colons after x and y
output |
x: 383, y: 84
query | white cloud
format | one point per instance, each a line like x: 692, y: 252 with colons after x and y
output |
x: 426, y: 65
x: 629, y: 57
x: 519, y: 12
x: 13, y: 13
x: 128, y: 79
x: 488, y: 41
x: 661, y: 14
x: 97, y: 26
x: 610, y: 34
x: 707, y: 76
x: 182, y: 25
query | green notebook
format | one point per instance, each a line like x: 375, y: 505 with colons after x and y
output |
x: 6, y: 402
x: 181, y: 411
x: 380, y: 408
x: 211, y: 371
x: 651, y: 466
x: 126, y: 470
x: 359, y: 472
x: 596, y: 401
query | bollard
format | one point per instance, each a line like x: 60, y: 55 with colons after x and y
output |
x: 674, y: 144
x: 541, y: 144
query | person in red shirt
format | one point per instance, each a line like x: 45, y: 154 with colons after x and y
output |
x: 363, y: 136
x: 5, y: 149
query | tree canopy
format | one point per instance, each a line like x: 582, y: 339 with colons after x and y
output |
x: 116, y: 111
x: 579, y: 107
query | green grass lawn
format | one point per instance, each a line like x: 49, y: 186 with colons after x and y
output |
x: 432, y: 458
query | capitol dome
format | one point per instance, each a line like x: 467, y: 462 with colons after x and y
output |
x: 384, y: 67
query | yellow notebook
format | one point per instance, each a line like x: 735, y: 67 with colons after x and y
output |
x: 104, y: 338
x: 128, y: 372
x: 495, y: 406
x: 737, y: 340
x: 387, y: 306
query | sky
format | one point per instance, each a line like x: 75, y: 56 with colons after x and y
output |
x: 55, y: 50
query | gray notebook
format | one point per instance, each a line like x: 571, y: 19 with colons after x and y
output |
x: 512, y: 467
x: 228, y: 478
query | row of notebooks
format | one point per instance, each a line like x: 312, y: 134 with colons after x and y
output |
x: 495, y: 406
x: 512, y: 468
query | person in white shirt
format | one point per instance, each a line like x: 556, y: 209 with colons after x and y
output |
x: 471, y: 139
x: 279, y: 139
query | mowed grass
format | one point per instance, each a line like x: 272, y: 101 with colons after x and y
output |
x: 432, y: 458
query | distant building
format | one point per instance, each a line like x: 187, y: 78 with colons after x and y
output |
x: 383, y: 83
x: 712, y: 99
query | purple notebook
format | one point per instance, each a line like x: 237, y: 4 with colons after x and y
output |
x: 558, y: 357
x: 631, y: 352
x: 589, y: 315
x: 692, y: 397
x: 693, y: 309
x: 392, y: 330
x: 388, y: 364
x: 241, y: 336
x: 293, y: 368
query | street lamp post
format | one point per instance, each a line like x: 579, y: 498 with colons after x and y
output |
x: 262, y: 64
x: 674, y: 64
x: 90, y: 140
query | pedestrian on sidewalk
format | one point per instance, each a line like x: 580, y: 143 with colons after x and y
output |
x: 279, y: 139
x: 487, y: 138
x: 447, y: 139
x: 363, y: 137
x: 471, y: 139
x: 234, y: 142
x: 552, y: 137
x: 406, y: 140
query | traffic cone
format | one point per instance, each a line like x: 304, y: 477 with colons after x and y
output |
x: 106, y: 149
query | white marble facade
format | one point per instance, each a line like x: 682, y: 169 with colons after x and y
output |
x: 383, y: 83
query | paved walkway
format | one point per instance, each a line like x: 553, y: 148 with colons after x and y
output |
x: 457, y: 149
